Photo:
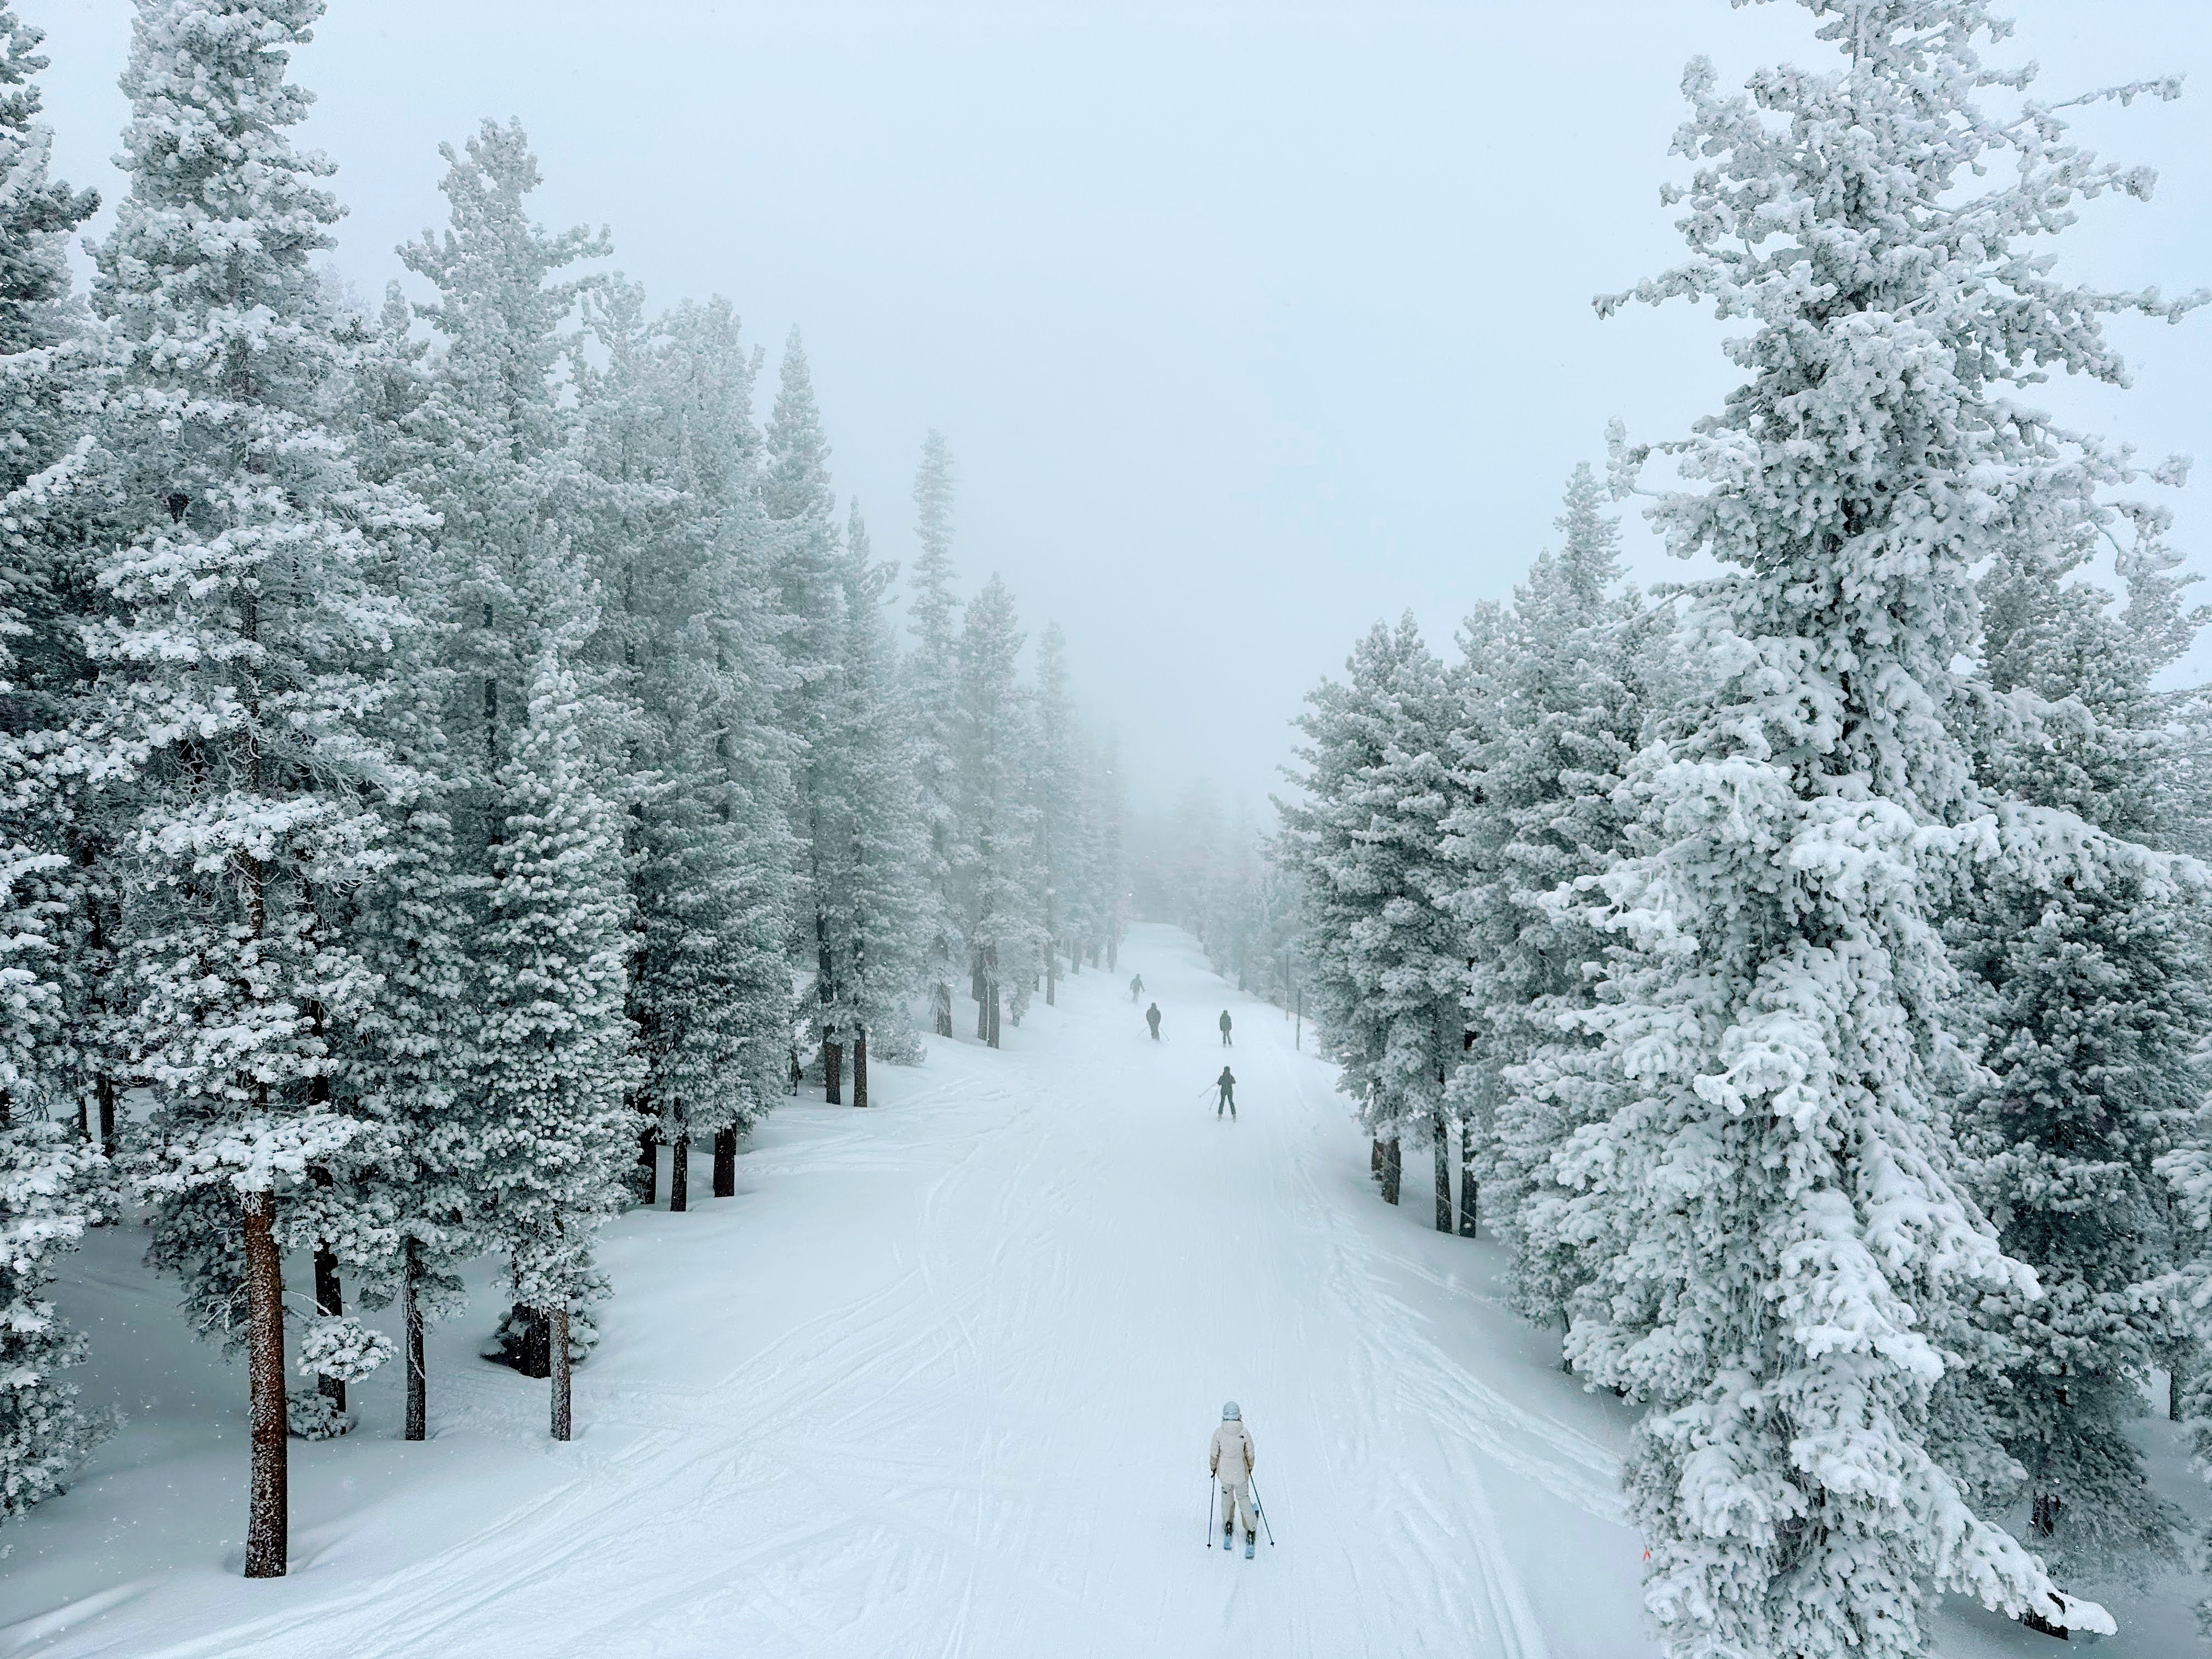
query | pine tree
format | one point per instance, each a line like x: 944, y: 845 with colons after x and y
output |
x: 1777, y: 1234
x: 2092, y: 1035
x: 877, y: 916
x: 1388, y: 964
x: 796, y: 492
x: 51, y: 1180
x: 1557, y: 703
x: 1055, y: 784
x: 251, y: 654
x: 934, y: 693
x: 554, y: 1053
x: 1004, y: 931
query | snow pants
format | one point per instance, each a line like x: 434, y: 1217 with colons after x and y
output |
x: 1227, y: 1100
x: 1235, y: 1500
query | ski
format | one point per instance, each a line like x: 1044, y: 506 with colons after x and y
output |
x: 1250, y: 1539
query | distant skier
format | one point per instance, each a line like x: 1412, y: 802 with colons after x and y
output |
x: 1136, y: 987
x: 1232, y: 1457
x: 1227, y: 1084
x: 1152, y: 1019
x: 1225, y: 1043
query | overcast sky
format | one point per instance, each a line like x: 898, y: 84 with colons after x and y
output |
x: 1248, y: 324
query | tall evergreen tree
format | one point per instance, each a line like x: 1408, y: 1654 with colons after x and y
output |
x: 1778, y: 1233
x: 1055, y: 784
x: 555, y: 1055
x: 1366, y: 841
x: 933, y: 694
x: 51, y: 1058
x: 246, y: 669
x: 796, y: 492
x: 1003, y: 930
x: 878, y: 914
x: 1555, y: 716
x: 2093, y: 1032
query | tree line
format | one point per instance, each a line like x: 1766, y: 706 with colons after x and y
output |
x: 454, y: 756
x: 1808, y: 963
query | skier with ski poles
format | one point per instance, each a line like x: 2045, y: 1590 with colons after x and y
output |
x: 1136, y: 987
x: 1152, y: 1019
x: 1226, y: 1083
x: 1225, y: 1043
x: 1229, y: 1459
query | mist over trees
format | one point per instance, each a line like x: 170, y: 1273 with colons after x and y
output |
x: 459, y: 759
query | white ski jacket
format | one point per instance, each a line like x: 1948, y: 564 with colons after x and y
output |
x: 1232, y: 1457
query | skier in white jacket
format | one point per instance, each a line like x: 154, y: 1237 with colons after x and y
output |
x: 1232, y: 1457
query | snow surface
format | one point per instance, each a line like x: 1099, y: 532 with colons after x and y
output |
x: 938, y: 1380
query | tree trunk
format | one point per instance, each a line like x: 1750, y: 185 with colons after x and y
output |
x: 1470, y: 1190
x: 1443, y: 1161
x: 726, y: 1162
x: 1375, y: 1158
x: 982, y: 1013
x: 418, y: 1375
x: 994, y: 1013
x: 1392, y: 1167
x: 833, y: 1072
x: 1113, y: 954
x: 944, y: 1011
x: 532, y: 1356
x: 649, y: 1166
x: 330, y: 1300
x: 105, y: 1090
x: 268, y: 1521
x: 860, y: 1067
x: 557, y: 1325
x: 2043, y: 1515
x: 679, y: 1173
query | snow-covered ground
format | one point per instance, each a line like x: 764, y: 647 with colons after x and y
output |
x: 938, y: 1381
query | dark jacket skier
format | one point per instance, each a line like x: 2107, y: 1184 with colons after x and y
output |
x: 1152, y: 1019
x: 1227, y: 1084
x: 1225, y: 1043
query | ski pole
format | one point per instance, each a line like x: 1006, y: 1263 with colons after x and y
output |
x: 1258, y: 1506
x: 1209, y: 1512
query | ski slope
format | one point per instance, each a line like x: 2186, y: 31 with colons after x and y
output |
x: 938, y: 1382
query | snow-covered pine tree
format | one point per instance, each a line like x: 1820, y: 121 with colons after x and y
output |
x: 245, y: 667
x: 554, y: 1052
x: 704, y: 1030
x: 52, y: 1179
x: 878, y: 913
x: 1113, y: 867
x: 493, y: 448
x: 1556, y: 707
x: 1773, y: 1211
x: 1389, y: 962
x: 934, y: 697
x: 1003, y: 930
x: 795, y: 491
x: 735, y: 677
x: 1055, y: 785
x: 2093, y: 1030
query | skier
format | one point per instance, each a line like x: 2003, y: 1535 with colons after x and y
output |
x: 1232, y: 1457
x: 1227, y: 1084
x: 1136, y: 987
x: 1225, y: 1043
x: 1152, y: 1019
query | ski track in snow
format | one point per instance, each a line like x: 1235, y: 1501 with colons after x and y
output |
x: 940, y: 1381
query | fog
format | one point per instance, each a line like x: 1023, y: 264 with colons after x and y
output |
x: 1248, y: 324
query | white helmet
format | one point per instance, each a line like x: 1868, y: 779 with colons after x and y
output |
x: 1231, y: 1414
